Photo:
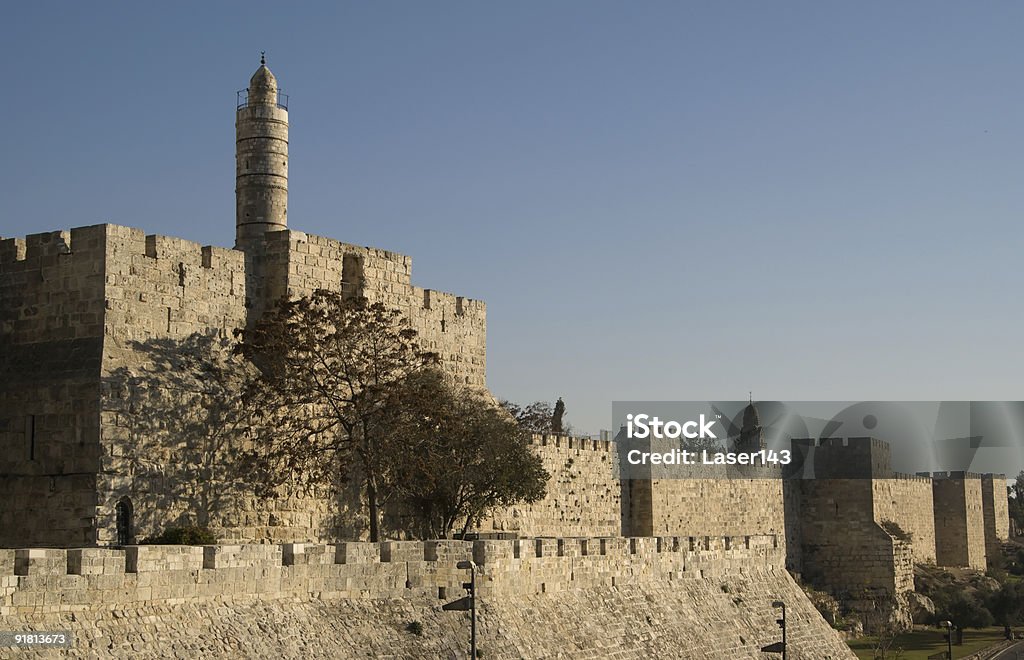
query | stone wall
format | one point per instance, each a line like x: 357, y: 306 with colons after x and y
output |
x: 996, y: 508
x: 296, y: 264
x: 51, y: 334
x: 907, y: 501
x: 583, y: 494
x: 585, y: 598
x: 959, y: 520
x: 698, y: 507
x: 848, y: 553
x: 87, y: 316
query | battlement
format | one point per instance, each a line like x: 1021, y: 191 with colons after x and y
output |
x: 571, y: 442
x: 44, y: 580
x: 953, y: 474
x: 64, y: 242
x: 919, y: 478
x: 846, y: 458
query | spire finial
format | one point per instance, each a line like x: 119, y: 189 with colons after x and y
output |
x: 751, y: 397
x: 263, y: 58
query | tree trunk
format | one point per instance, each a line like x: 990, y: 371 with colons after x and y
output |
x: 371, y: 497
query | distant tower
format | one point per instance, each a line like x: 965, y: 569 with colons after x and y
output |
x: 751, y: 433
x: 261, y: 158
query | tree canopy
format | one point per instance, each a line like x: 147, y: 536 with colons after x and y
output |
x: 327, y: 367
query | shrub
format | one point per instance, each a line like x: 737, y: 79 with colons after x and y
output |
x: 415, y: 627
x: 188, y: 535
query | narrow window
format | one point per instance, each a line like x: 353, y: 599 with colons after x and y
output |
x: 30, y: 434
x: 124, y: 513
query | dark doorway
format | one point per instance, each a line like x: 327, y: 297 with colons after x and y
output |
x: 125, y: 521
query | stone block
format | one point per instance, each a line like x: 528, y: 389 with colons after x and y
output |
x: 357, y: 553
x: 40, y: 561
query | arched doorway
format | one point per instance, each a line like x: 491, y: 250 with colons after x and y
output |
x: 125, y: 514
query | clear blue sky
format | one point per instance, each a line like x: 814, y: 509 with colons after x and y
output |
x: 657, y: 200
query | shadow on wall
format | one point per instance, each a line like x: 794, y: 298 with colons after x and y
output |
x: 178, y: 437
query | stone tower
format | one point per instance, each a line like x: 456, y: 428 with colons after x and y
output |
x: 261, y: 158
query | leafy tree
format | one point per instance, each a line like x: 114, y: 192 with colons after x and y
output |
x: 1007, y: 604
x: 461, y: 455
x: 1016, y: 501
x: 328, y: 366
x: 539, y: 416
x: 965, y: 611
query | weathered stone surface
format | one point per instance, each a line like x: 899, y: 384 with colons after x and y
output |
x: 591, y: 598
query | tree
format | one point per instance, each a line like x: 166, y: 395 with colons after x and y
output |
x: 327, y: 369
x: 1007, y: 604
x: 539, y: 416
x: 965, y: 611
x: 556, y: 417
x: 460, y: 457
x: 1016, y: 501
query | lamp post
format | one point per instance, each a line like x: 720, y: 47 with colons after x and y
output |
x: 949, y: 638
x: 782, y: 624
x: 471, y: 588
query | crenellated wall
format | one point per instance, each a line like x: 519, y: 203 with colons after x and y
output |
x: 51, y: 335
x: 634, y: 597
x: 87, y: 319
x: 294, y: 263
x: 583, y: 494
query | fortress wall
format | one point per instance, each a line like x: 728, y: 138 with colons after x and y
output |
x: 453, y: 326
x: 715, y: 507
x: 959, y: 520
x: 456, y: 328
x: 167, y: 301
x: 844, y: 549
x: 995, y: 506
x: 907, y: 501
x: 583, y: 494
x: 51, y: 334
x: 634, y: 598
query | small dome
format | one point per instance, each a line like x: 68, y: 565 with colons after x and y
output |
x: 751, y: 420
x: 263, y: 78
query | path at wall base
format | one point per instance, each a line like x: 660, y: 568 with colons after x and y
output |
x: 725, y: 617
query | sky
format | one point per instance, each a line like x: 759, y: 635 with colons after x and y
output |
x: 657, y: 200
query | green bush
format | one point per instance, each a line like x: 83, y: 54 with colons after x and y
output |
x: 188, y: 535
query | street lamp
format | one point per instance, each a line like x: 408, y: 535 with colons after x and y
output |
x: 949, y: 638
x: 471, y: 588
x: 778, y: 647
x: 782, y: 624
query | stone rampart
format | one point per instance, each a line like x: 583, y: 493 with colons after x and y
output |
x: 583, y: 494
x: 907, y: 501
x: 637, y: 597
x: 959, y: 519
x: 996, y: 507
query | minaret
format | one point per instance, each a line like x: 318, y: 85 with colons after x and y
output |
x: 751, y: 433
x: 261, y: 158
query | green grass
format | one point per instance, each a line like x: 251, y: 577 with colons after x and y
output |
x: 919, y: 644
